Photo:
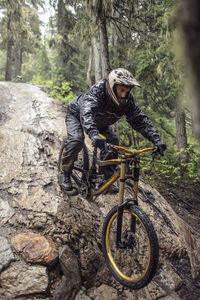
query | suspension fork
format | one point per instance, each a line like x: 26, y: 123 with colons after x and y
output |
x: 119, y: 243
x: 122, y: 205
x: 136, y: 175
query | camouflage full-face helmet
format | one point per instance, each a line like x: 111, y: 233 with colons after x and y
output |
x: 120, y: 76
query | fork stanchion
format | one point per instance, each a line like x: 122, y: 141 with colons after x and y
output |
x: 136, y: 174
x: 122, y: 180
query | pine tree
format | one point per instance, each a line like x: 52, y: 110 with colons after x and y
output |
x: 20, y: 33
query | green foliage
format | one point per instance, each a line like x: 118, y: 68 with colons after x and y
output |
x: 173, y: 169
x: 192, y: 167
x: 63, y: 92
x: 38, y: 79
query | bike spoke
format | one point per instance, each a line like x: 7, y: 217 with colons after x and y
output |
x: 131, y: 260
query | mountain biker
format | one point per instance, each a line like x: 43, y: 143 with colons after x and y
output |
x: 95, y: 111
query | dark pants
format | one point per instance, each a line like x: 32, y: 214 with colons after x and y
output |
x: 75, y: 141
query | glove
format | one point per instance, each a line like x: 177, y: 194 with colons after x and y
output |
x: 160, y: 148
x: 97, y: 141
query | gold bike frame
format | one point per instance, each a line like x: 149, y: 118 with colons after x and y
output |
x: 122, y: 173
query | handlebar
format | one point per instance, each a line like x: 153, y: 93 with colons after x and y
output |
x: 132, y: 152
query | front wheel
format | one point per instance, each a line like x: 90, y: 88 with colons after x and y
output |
x: 134, y: 262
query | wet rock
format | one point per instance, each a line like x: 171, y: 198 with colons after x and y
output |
x: 84, y: 222
x: 6, y: 212
x: 174, y: 235
x: 151, y: 291
x: 82, y: 296
x: 35, y: 248
x: 6, y: 254
x: 92, y: 262
x: 104, y: 292
x: 193, y: 249
x: 22, y: 279
x: 65, y: 291
x: 69, y: 265
x: 169, y: 279
x: 71, y: 280
x: 33, y: 128
x: 129, y: 295
x: 172, y: 296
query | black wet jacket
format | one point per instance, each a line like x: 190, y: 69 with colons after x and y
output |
x: 96, y: 111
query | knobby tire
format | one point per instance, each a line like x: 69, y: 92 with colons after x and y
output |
x: 134, y: 265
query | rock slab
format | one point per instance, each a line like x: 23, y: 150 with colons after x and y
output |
x: 22, y: 279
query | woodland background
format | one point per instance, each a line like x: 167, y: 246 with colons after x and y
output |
x: 83, y: 40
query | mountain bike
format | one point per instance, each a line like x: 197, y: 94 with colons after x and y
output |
x: 129, y: 241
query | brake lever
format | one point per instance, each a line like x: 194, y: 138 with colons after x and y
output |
x: 154, y: 153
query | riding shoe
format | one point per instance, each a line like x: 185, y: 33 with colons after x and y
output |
x: 67, y: 184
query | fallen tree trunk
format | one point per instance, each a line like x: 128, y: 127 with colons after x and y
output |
x: 31, y: 130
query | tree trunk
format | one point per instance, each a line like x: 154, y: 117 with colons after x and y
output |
x: 190, y: 20
x: 63, y: 46
x: 60, y: 25
x: 89, y: 80
x: 101, y: 63
x: 113, y: 37
x: 8, y: 73
x: 17, y: 61
x: 104, y: 46
x: 97, y: 59
x: 181, y: 135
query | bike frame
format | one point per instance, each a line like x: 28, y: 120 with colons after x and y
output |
x: 130, y: 155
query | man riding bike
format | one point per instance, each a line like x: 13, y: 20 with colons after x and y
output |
x: 95, y: 111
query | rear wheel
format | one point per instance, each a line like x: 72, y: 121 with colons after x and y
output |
x: 134, y: 262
